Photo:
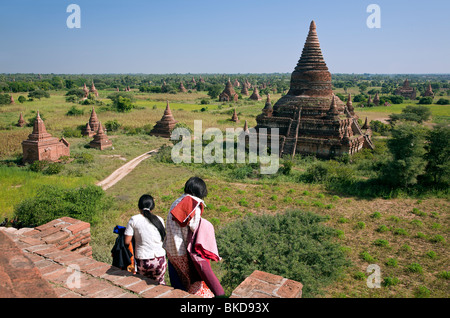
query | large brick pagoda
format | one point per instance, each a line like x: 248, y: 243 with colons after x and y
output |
x: 311, y: 119
x: 40, y: 145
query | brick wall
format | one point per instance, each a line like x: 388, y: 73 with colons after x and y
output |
x: 66, y: 234
x: 38, y: 262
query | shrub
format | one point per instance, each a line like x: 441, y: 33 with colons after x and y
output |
x: 52, y: 202
x: 400, y: 231
x: 376, y: 215
x: 359, y: 276
x: 444, y: 274
x: 414, y: 268
x: 381, y: 242
x: 54, y: 168
x: 343, y: 220
x: 74, y: 111
x: 360, y: 225
x: 390, y: 281
x: 422, y: 292
x: 84, y: 158
x: 431, y: 254
x: 426, y: 100
x: 437, y: 238
x: 69, y: 132
x: 308, y: 256
x: 416, y: 211
x: 392, y: 262
x: 367, y: 257
x: 112, y: 125
x: 382, y: 228
x: 443, y: 101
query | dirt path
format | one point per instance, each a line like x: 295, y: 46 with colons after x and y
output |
x: 121, y: 172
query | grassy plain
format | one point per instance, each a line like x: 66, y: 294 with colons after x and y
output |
x: 393, y: 233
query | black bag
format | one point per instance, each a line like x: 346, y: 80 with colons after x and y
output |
x: 120, y: 253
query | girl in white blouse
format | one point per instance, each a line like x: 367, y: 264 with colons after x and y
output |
x: 149, y: 232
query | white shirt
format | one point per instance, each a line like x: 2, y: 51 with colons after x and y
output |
x: 148, y: 241
x: 176, y: 236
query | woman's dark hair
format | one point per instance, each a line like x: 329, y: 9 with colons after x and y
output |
x: 197, y: 187
x: 147, y: 204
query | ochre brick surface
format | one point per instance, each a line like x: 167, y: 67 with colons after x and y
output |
x: 38, y: 263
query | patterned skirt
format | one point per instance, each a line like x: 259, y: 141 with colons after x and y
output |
x: 153, y: 268
x: 186, y: 274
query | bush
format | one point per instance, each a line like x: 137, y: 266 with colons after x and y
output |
x: 296, y: 246
x: 414, y: 268
x: 73, y: 111
x: 381, y: 242
x: 52, y: 202
x: 426, y: 100
x: 112, y: 125
x: 390, y: 281
x: 443, y: 101
x: 422, y: 292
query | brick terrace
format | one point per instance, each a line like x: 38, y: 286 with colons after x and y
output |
x: 41, y: 262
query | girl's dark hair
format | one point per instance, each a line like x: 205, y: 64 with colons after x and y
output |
x: 147, y: 204
x: 197, y: 187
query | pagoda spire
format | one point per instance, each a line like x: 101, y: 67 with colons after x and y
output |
x: 311, y: 75
x: 333, y: 111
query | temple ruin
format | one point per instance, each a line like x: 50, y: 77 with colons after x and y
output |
x: 164, y: 127
x: 21, y: 122
x: 310, y: 118
x: 92, y: 126
x: 406, y: 90
x: 429, y: 91
x: 228, y: 94
x: 100, y: 140
x: 255, y: 95
x: 40, y: 145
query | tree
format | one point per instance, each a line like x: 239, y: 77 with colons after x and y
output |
x: 124, y: 104
x: 407, y: 149
x: 214, y: 91
x: 418, y: 114
x: 38, y: 94
x: 443, y: 101
x: 438, y: 154
x: 5, y: 99
x: 426, y: 100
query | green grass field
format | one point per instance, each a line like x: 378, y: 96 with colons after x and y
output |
x: 394, y: 238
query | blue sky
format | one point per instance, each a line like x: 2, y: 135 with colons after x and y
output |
x: 211, y: 36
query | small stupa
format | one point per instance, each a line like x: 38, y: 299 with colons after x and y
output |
x: 93, y: 90
x: 100, y: 140
x: 40, y: 145
x: 376, y: 99
x: 21, y: 121
x: 244, y: 90
x: 182, y: 88
x: 85, y: 90
x: 164, y: 127
x: 255, y: 95
x: 429, y: 91
x: 235, y: 117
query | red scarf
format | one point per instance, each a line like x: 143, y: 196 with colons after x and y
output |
x: 183, y: 211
